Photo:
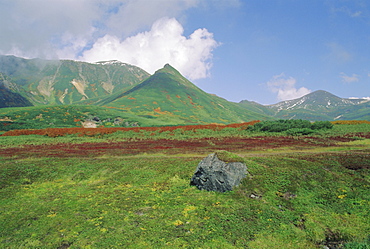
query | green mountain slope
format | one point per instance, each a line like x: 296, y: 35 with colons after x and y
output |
x: 256, y: 107
x: 9, y: 94
x: 66, y: 82
x: 167, y: 95
x: 357, y: 112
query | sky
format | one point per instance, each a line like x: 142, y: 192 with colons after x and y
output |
x: 265, y: 51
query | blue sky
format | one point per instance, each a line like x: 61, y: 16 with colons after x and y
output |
x: 259, y: 50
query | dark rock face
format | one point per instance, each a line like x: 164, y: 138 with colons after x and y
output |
x: 212, y: 174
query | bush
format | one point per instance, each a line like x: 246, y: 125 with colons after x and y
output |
x: 292, y: 126
x: 322, y: 125
x: 299, y: 131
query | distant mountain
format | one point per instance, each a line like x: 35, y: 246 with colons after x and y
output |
x: 256, y: 107
x: 9, y: 94
x: 318, y: 105
x: 168, y: 95
x: 66, y: 82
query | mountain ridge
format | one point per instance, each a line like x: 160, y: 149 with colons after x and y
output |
x: 67, y: 81
x: 317, y: 105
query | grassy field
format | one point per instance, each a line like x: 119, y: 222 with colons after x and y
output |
x: 131, y: 190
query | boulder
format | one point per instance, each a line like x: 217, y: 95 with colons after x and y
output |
x: 221, y: 175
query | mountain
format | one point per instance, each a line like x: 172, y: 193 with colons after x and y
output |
x: 9, y: 96
x: 318, y: 105
x: 45, y: 82
x: 167, y: 95
x: 256, y: 107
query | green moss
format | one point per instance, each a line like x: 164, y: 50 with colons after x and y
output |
x: 227, y: 156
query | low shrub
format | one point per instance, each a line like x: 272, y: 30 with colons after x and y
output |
x: 299, y: 131
x: 318, y: 125
x: 292, y: 126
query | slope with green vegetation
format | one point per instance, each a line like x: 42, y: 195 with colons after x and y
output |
x: 256, y: 107
x: 9, y: 94
x: 46, y: 82
x: 167, y: 95
x: 358, y: 112
x: 39, y: 117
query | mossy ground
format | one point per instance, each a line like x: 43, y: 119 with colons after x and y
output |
x: 292, y: 198
x: 227, y: 156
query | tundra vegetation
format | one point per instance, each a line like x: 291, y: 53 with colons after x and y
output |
x: 129, y: 188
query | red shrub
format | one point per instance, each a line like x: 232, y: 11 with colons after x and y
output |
x: 56, y: 132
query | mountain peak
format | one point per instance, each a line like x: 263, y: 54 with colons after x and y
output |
x: 168, y: 69
x: 320, y: 94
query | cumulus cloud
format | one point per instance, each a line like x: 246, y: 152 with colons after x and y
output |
x: 285, y: 87
x: 163, y: 43
x: 349, y: 79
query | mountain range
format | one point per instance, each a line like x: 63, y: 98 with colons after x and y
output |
x: 166, y: 96
x: 318, y: 105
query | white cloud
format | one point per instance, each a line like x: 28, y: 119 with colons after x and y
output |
x: 349, y: 79
x: 164, y: 43
x: 285, y: 87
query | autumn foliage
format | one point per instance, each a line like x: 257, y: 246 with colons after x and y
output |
x: 350, y: 122
x: 57, y: 132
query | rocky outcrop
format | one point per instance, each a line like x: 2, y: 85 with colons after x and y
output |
x: 213, y: 174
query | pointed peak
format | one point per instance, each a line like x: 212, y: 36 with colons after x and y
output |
x: 168, y: 69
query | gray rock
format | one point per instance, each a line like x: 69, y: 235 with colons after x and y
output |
x: 213, y: 174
